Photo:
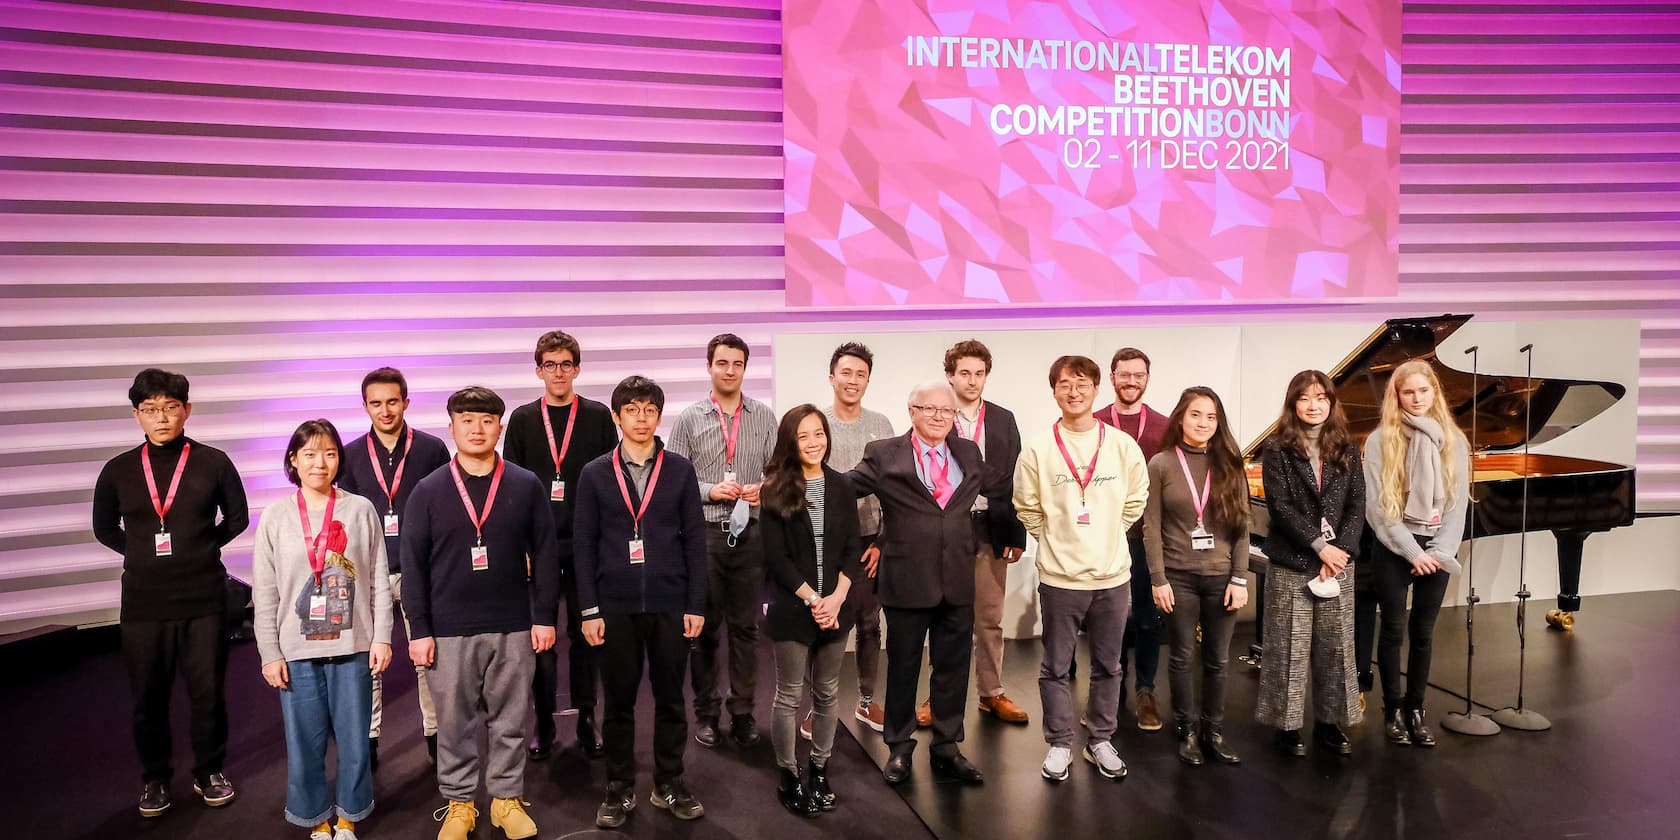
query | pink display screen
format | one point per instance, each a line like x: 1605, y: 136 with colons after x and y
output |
x: 1072, y: 151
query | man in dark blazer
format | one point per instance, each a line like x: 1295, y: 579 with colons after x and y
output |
x: 998, y: 535
x: 927, y: 482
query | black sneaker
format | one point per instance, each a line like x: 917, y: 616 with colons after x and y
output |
x: 215, y: 789
x: 673, y: 796
x: 616, y: 808
x: 706, y: 733
x: 154, y: 800
x: 745, y: 731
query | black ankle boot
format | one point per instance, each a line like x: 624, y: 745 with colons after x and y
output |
x: 792, y: 795
x: 1395, y: 728
x: 1213, y: 743
x: 1189, y: 751
x: 1331, y: 737
x: 1421, y: 736
x: 1289, y: 743
x: 816, y: 787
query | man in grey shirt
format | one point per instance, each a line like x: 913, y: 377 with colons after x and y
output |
x: 851, y: 427
x: 728, y: 439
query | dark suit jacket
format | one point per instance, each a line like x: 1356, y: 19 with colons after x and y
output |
x: 790, y: 557
x: 1296, y: 503
x: 1003, y: 449
x: 927, y: 553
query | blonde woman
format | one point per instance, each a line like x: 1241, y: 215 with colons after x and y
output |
x: 1417, y: 466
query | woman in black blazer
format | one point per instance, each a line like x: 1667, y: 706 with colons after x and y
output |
x: 812, y: 551
x: 1315, y: 492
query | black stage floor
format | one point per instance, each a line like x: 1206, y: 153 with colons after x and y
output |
x: 1606, y: 769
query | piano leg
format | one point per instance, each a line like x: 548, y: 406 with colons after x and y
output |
x: 1570, y: 546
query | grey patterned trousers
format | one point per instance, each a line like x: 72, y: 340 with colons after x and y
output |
x: 1301, y: 633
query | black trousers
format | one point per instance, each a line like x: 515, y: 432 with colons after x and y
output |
x: 1144, y: 627
x: 155, y: 651
x: 1199, y: 599
x: 948, y: 631
x: 1394, y: 575
x: 1364, y: 611
x: 734, y: 603
x: 581, y: 668
x: 632, y: 641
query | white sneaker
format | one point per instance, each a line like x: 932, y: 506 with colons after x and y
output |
x: 320, y: 835
x: 1056, y: 764
x: 1107, y: 760
x: 344, y: 834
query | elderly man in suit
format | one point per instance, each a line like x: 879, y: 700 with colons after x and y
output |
x: 927, y: 482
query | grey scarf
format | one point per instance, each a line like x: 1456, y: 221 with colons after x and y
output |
x: 1426, y: 493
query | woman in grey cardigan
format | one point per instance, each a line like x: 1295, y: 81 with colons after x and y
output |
x: 1417, y: 466
x: 323, y: 625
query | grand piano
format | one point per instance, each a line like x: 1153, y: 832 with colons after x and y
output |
x: 1571, y: 497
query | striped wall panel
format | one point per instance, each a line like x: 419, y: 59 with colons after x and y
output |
x: 275, y: 195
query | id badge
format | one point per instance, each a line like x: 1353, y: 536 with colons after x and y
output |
x: 480, y: 558
x: 390, y: 524
x: 729, y: 475
x: 557, y: 491
x: 1324, y: 529
x: 317, y: 607
x: 637, y: 556
x: 160, y: 541
x: 1084, y: 517
x: 1200, y: 539
x: 1435, y: 516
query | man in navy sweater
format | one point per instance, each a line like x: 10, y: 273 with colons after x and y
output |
x: 639, y: 546
x: 481, y: 586
x: 383, y: 466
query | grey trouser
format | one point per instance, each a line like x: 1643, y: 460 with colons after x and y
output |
x: 482, y: 680
x: 428, y: 715
x: 793, y: 661
x: 1102, y: 612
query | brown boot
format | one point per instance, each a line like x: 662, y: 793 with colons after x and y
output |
x: 459, y: 820
x: 1003, y: 708
x: 509, y: 816
x: 1148, y: 716
x: 924, y: 714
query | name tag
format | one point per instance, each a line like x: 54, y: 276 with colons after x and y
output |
x: 1324, y: 529
x: 729, y: 476
x: 1084, y: 517
x: 637, y: 555
x: 1200, y: 539
x: 480, y: 558
x: 1435, y: 516
x: 557, y: 491
x: 160, y: 541
x: 317, y: 607
x: 390, y: 524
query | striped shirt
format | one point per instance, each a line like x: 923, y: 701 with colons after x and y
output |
x: 698, y: 436
x: 814, y: 507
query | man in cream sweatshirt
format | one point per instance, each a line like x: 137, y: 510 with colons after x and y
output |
x: 1078, y: 487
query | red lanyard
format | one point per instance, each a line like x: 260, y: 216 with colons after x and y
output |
x: 489, y: 500
x: 396, y: 478
x: 1067, y: 457
x: 624, y: 489
x: 1114, y: 420
x: 729, y: 435
x: 317, y: 552
x: 979, y: 425
x: 163, y: 507
x: 565, y: 437
x: 1200, y: 501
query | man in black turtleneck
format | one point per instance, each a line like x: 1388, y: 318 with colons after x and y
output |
x: 157, y: 505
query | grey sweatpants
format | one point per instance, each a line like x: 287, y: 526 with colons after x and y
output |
x: 482, y: 680
x: 1102, y: 612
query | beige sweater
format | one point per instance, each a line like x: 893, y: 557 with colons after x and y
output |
x: 1070, y: 555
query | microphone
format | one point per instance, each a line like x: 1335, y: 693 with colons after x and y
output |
x: 1472, y: 348
x: 1525, y: 348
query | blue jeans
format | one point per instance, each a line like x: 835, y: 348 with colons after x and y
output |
x: 333, y: 695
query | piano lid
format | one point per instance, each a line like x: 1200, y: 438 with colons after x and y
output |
x: 1559, y: 405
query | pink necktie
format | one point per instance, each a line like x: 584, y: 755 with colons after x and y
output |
x: 941, y: 479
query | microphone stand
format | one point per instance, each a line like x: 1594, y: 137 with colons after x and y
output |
x: 1519, y: 717
x: 1468, y: 722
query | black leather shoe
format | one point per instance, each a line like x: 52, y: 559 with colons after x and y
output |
x: 897, y: 769
x: 1213, y: 743
x: 1189, y: 751
x: 706, y: 734
x: 791, y: 793
x: 1395, y: 728
x: 1421, y: 736
x: 816, y: 787
x: 431, y: 747
x: 214, y: 789
x: 1289, y: 743
x: 1331, y: 737
x: 588, y: 740
x: 957, y: 766
x: 373, y: 754
x: 540, y: 748
x: 744, y: 730
x: 673, y: 796
x: 616, y: 808
x: 154, y: 800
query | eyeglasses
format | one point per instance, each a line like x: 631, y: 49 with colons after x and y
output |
x: 1082, y: 387
x: 563, y: 367
x: 152, y: 412
x: 1132, y: 377
x: 638, y: 412
x: 935, y: 411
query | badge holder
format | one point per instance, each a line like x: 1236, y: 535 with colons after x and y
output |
x: 557, y: 491
x: 161, y: 542
x: 480, y: 558
x: 391, y: 525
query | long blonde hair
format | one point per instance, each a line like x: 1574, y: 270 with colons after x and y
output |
x: 1395, y: 435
